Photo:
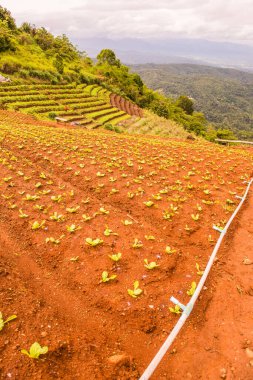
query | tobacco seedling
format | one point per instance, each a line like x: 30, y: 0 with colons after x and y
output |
x: 72, y: 210
x: 116, y: 257
x: 149, y: 203
x: 35, y: 351
x: 2, y: 322
x: 151, y: 265
x: 175, y: 310
x: 73, y: 228
x: 170, y: 250
x: 86, y: 218
x: 137, y: 244
x: 22, y: 214
x: 109, y: 232
x: 195, y: 217
x: 191, y: 291
x: 136, y: 290
x: 37, y: 225
x: 93, y: 243
x: 106, y: 278
x: 127, y: 222
x: 199, y: 272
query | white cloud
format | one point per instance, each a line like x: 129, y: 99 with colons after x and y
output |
x: 211, y: 19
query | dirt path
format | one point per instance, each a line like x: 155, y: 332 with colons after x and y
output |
x: 217, y: 342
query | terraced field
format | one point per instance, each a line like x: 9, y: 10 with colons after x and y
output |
x: 88, y: 106
x: 97, y: 231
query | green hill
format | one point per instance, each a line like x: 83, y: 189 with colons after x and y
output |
x: 225, y: 96
x: 32, y: 56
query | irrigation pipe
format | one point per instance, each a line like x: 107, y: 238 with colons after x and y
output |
x: 188, y: 308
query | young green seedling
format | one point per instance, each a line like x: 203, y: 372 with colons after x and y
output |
x: 149, y: 203
x: 73, y: 228
x: 137, y: 244
x: 195, y: 217
x: 116, y: 257
x: 127, y: 222
x: 37, y: 225
x: 175, y: 310
x: 191, y: 291
x: 22, y: 214
x: 93, y: 243
x: 72, y: 210
x: 2, y: 322
x: 151, y: 265
x: 106, y: 278
x: 136, y: 290
x: 199, y: 272
x: 35, y: 351
x: 170, y: 250
x: 109, y: 232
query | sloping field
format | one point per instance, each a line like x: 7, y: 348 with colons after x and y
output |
x: 88, y: 106
x: 71, y: 202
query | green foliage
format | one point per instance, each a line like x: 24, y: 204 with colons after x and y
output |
x: 3, y: 322
x: 6, y: 41
x: 108, y: 56
x: 35, y: 351
x: 6, y: 16
x: 186, y: 104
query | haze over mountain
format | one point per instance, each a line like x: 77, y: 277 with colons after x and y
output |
x: 132, y: 51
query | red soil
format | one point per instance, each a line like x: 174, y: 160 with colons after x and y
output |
x: 61, y: 303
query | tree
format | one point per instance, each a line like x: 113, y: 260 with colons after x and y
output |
x: 5, y: 37
x: 108, y: 56
x: 5, y: 15
x: 59, y: 64
x: 186, y: 104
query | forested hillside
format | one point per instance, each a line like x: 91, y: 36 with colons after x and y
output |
x: 225, y: 96
x: 31, y: 55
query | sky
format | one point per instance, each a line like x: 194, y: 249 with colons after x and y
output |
x: 215, y: 20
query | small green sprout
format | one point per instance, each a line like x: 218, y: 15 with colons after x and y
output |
x: 195, y: 217
x: 29, y: 197
x: 149, y: 203
x: 57, y: 217
x: 35, y: 351
x: 22, y: 214
x: 38, y: 185
x: 37, y: 225
x: 74, y: 259
x: 72, y: 210
x: 53, y: 240
x: 136, y: 290
x: 175, y: 310
x: 127, y: 222
x: 170, y: 250
x: 137, y: 244
x: 151, y: 265
x: 149, y: 237
x: 109, y: 232
x: 2, y: 322
x: 56, y: 198
x: 116, y: 257
x: 73, y: 228
x: 93, y: 243
x: 106, y: 278
x: 86, y: 217
x: 102, y: 210
x: 199, y: 272
x: 191, y: 291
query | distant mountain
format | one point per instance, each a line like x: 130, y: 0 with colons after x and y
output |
x: 132, y: 51
x: 224, y: 95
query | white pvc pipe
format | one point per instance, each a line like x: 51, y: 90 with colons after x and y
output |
x: 187, y: 311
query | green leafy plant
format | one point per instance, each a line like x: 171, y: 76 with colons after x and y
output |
x: 93, y: 243
x: 199, y: 272
x: 175, y: 310
x: 109, y: 232
x: 170, y: 250
x: 136, y: 291
x: 72, y: 210
x: 195, y: 217
x: 106, y: 277
x: 151, y: 265
x: 73, y: 228
x: 137, y: 243
x: 127, y: 222
x: 3, y: 322
x: 35, y: 351
x: 116, y: 257
x: 191, y: 291
x: 37, y: 225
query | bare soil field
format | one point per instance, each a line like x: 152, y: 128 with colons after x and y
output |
x: 85, y: 215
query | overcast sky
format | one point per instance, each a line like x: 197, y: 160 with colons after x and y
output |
x: 218, y: 20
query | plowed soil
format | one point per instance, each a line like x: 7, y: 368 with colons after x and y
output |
x: 54, y: 178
